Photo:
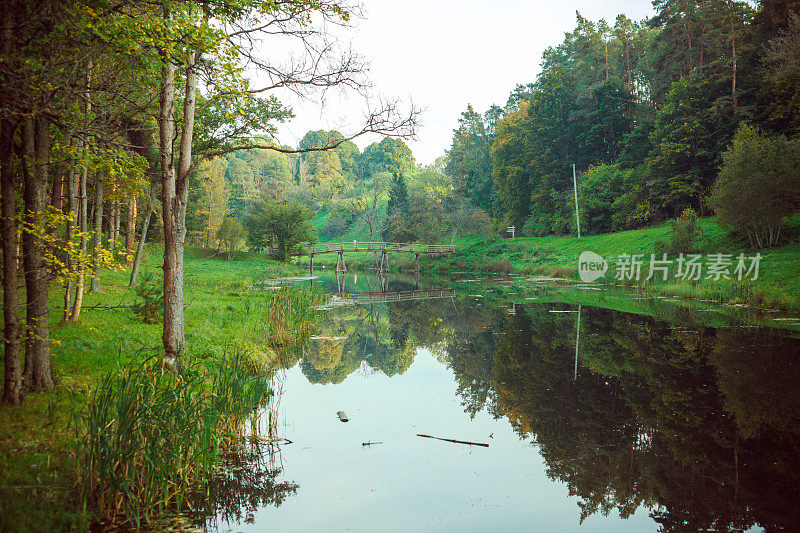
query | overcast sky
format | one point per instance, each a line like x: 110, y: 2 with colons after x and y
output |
x: 445, y: 54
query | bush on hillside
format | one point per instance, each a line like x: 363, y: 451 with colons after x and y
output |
x: 759, y: 185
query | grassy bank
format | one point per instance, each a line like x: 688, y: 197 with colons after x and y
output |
x: 778, y: 284
x: 38, y: 455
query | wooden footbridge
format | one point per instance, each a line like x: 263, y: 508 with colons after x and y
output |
x: 380, y: 249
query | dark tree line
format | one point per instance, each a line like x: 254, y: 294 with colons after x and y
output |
x: 644, y: 110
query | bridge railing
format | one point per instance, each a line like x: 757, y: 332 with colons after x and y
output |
x: 380, y: 247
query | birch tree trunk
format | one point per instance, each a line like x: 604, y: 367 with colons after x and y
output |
x: 98, y: 232
x: 83, y: 200
x: 175, y: 198
x: 36, y: 139
x: 83, y: 215
x: 72, y: 224
x: 112, y: 226
x: 151, y: 207
x: 130, y: 227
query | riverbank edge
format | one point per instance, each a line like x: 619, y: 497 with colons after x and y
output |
x: 39, y: 489
x: 777, y: 287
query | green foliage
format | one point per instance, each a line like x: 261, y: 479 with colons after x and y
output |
x: 681, y: 164
x: 684, y: 236
x: 398, y: 212
x: 280, y: 228
x: 612, y: 198
x: 323, y: 176
x: 469, y: 159
x: 232, y: 234
x: 151, y: 290
x: 389, y: 155
x: 340, y: 219
x: 759, y: 185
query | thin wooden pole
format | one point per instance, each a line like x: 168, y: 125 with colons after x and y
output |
x: 577, y: 339
x: 575, y: 188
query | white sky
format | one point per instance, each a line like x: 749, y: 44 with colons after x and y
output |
x: 444, y: 54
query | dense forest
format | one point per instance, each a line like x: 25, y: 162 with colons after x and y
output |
x: 685, y: 110
x: 645, y: 111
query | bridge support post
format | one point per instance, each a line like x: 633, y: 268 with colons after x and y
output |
x: 416, y: 263
x: 311, y: 262
x: 341, y: 279
x: 340, y: 266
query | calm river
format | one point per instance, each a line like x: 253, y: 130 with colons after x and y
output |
x: 601, y: 411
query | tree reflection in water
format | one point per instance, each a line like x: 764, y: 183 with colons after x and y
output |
x: 699, y: 425
x: 247, y: 480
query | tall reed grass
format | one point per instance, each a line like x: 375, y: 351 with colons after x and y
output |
x: 153, y: 439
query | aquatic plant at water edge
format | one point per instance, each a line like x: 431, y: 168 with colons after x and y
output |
x: 149, y: 439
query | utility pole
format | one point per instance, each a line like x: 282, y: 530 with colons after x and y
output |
x: 577, y: 340
x: 575, y: 188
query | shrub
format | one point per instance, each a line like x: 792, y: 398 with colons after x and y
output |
x: 232, y: 234
x: 759, y: 185
x: 151, y: 291
x: 280, y: 228
x: 333, y: 226
x: 685, y: 233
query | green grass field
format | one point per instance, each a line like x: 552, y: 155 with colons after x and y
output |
x: 778, y: 284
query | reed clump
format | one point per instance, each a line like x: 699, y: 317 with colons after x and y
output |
x: 151, y: 440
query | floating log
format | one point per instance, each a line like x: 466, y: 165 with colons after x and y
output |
x: 454, y: 440
x: 370, y: 443
x: 342, y: 416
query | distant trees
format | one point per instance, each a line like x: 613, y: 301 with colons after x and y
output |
x: 398, y: 212
x: 389, y: 155
x: 231, y: 234
x: 280, y: 228
x: 644, y: 110
x: 759, y: 185
x: 469, y: 159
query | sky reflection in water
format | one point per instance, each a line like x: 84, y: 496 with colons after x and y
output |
x: 667, y: 425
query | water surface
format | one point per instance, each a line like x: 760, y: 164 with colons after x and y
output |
x: 666, y: 417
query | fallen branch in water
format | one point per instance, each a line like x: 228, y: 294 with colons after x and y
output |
x: 370, y: 443
x: 454, y: 441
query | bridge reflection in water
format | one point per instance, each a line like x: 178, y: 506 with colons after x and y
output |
x: 378, y: 292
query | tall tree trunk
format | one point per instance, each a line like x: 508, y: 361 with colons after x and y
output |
x: 83, y: 217
x: 37, y: 343
x: 733, y: 57
x: 175, y: 198
x: 151, y: 207
x: 12, y: 380
x: 112, y: 226
x: 172, y: 334
x: 72, y: 224
x: 131, y: 227
x: 58, y: 189
x: 12, y: 385
x: 84, y: 208
x: 117, y: 220
x: 98, y: 231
